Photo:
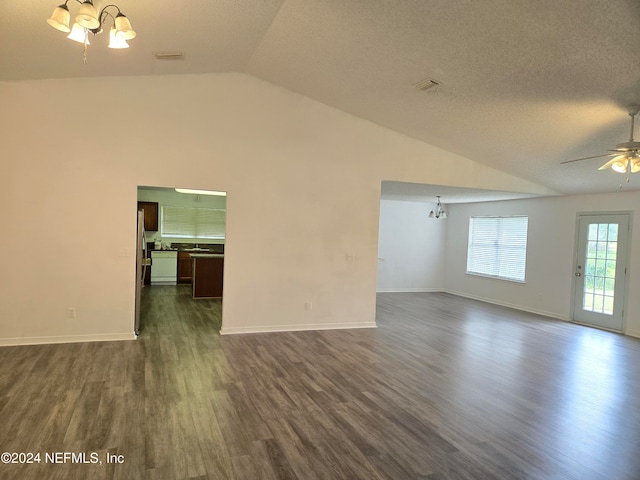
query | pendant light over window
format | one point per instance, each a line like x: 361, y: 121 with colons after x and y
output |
x: 89, y: 20
x: 439, y: 211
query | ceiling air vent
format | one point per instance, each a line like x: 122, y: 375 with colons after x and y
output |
x: 169, y: 55
x: 427, y: 84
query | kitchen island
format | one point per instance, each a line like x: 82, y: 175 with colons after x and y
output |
x: 208, y: 271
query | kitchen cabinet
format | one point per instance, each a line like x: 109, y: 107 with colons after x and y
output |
x: 184, y: 267
x: 208, y: 270
x: 150, y: 210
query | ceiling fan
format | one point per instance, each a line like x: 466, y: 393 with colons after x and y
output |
x: 626, y: 155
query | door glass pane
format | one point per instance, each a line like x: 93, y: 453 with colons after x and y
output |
x: 603, y: 228
x: 587, y: 304
x: 600, y: 268
x: 599, y: 285
x: 608, y: 286
x: 598, y: 303
x: 608, y: 304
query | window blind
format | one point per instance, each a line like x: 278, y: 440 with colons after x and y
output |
x: 188, y: 222
x: 498, y: 247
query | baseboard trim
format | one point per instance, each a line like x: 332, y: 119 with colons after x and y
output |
x: 296, y: 328
x: 108, y: 337
x: 536, y: 311
x: 410, y: 290
x: 633, y: 333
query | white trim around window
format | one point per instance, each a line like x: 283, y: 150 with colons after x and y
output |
x: 497, y: 247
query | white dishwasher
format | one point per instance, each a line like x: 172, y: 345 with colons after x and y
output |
x: 164, y: 267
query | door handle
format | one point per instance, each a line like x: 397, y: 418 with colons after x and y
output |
x: 578, y: 274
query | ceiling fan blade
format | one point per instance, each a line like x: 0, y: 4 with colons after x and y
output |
x: 586, y: 158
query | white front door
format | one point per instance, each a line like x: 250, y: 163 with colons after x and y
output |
x: 601, y: 270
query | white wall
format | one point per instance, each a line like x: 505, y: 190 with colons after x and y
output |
x: 303, y: 183
x: 550, y: 253
x: 411, y: 248
x: 168, y: 196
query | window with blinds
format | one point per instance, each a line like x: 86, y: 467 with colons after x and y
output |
x: 498, y: 247
x: 188, y: 222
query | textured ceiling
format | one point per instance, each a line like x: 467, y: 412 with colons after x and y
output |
x: 524, y: 84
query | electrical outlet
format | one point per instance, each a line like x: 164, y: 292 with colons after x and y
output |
x: 308, y: 306
x: 71, y: 312
x: 349, y: 257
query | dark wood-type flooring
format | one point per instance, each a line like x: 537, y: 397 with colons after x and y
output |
x: 445, y: 388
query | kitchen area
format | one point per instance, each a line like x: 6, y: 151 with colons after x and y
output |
x: 200, y: 265
x: 182, y: 243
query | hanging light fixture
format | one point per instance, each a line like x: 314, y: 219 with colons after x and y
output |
x: 79, y: 34
x: 116, y: 41
x: 438, y: 212
x: 89, y: 20
x: 88, y: 15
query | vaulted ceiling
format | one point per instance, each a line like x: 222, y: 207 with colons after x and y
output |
x: 524, y: 85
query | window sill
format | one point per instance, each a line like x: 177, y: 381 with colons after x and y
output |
x: 494, y: 277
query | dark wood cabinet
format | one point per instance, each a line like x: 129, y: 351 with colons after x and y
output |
x: 208, y: 271
x: 184, y: 267
x: 150, y: 210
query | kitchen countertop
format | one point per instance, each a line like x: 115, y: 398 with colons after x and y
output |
x: 206, y: 255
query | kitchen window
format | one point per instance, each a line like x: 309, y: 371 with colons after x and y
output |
x: 189, y: 222
x: 498, y: 247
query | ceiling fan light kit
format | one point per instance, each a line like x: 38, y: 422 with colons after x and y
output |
x: 626, y: 156
x: 89, y: 20
x: 623, y: 163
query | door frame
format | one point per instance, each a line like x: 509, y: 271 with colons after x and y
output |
x: 574, y: 282
x: 164, y: 187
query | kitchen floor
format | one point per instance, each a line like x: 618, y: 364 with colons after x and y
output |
x: 170, y: 310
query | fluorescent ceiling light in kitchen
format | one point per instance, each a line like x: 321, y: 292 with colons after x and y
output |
x: 201, y: 192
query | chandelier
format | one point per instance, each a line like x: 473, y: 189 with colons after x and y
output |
x: 438, y: 212
x: 89, y: 20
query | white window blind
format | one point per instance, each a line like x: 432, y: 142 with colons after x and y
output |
x: 498, y: 247
x: 188, y: 222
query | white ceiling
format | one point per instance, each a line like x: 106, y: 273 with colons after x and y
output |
x: 524, y: 84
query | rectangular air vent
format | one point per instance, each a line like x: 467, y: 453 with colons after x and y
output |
x: 169, y: 55
x: 427, y: 84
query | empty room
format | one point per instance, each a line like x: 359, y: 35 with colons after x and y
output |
x: 320, y: 240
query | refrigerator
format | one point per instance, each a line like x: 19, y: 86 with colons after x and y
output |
x: 141, y: 248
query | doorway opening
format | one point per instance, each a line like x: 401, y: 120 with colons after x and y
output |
x: 180, y: 259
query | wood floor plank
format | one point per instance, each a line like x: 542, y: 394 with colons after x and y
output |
x: 445, y: 388
x: 215, y: 455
